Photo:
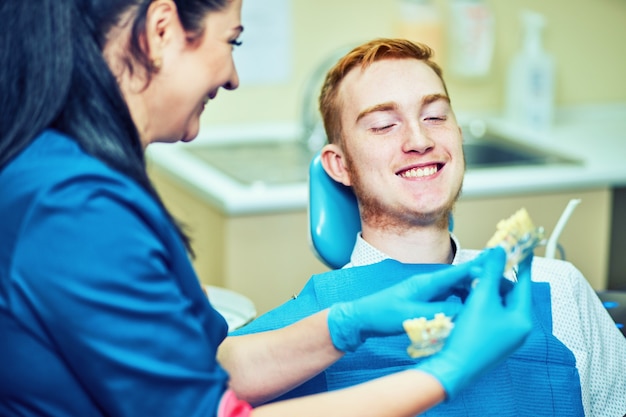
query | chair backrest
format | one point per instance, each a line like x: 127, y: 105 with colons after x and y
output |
x: 334, y: 219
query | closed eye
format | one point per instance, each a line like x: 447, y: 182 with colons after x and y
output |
x: 377, y: 129
x: 437, y: 118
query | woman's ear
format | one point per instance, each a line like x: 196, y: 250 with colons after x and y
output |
x: 162, y: 26
x: 333, y: 161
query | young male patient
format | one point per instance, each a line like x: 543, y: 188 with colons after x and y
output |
x: 394, y: 138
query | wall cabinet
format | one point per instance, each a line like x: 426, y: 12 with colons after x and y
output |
x: 585, y: 239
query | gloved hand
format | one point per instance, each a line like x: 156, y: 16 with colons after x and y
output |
x: 382, y: 313
x: 488, y: 329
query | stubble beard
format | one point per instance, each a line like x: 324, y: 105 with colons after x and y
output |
x: 377, y: 215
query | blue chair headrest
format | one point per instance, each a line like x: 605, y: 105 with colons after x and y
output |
x: 334, y: 219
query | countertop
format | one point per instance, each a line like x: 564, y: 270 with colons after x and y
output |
x: 593, y: 134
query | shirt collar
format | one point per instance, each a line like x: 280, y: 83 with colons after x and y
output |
x: 366, y: 254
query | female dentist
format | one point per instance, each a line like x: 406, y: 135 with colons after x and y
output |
x: 101, y: 313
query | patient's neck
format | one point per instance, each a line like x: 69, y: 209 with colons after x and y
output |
x: 429, y: 245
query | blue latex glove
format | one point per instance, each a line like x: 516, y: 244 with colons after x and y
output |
x: 382, y: 313
x: 488, y: 329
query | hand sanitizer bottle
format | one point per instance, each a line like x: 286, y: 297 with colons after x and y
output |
x: 530, y: 90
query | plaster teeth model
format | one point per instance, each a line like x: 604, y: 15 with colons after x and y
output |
x: 519, y: 237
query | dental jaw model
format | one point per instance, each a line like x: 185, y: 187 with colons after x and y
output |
x: 518, y: 236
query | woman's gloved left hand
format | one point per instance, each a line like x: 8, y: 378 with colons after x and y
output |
x: 382, y: 313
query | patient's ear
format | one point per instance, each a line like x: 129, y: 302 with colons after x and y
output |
x: 334, y: 163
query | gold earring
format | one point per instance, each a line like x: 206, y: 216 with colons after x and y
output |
x: 156, y: 64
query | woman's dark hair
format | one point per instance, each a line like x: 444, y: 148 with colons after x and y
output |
x: 53, y: 74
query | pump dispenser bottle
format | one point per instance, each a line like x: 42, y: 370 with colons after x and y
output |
x: 530, y: 89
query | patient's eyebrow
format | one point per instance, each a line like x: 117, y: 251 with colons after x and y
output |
x: 389, y: 106
x: 431, y: 98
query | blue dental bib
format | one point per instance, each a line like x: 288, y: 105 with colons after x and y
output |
x: 540, y: 379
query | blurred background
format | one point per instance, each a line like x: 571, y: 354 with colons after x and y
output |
x: 241, y: 189
x: 585, y: 37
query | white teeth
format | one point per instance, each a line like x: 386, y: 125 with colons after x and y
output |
x: 420, y: 172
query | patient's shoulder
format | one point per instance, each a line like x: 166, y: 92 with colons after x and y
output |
x: 549, y: 270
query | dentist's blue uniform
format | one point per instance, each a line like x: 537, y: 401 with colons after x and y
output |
x: 101, y: 313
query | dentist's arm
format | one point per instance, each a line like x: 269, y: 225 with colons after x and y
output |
x: 265, y: 365
x: 489, y: 328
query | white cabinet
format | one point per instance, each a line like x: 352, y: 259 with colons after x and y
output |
x: 265, y: 257
x: 585, y: 239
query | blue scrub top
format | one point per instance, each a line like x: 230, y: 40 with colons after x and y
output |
x: 101, y: 313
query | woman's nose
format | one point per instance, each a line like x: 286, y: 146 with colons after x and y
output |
x: 233, y: 83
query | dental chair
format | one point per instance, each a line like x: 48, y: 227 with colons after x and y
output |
x: 333, y: 214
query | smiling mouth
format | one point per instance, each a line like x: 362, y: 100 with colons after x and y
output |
x: 420, y: 172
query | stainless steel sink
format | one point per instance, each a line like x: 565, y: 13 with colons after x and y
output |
x: 267, y: 162
x: 287, y: 162
x: 496, y: 152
